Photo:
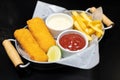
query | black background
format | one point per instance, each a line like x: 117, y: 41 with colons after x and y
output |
x: 15, y: 13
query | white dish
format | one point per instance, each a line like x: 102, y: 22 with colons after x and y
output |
x: 58, y: 22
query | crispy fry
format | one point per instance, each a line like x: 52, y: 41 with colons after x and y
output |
x: 76, y: 25
x: 79, y: 20
x: 90, y: 31
x: 98, y: 34
x: 98, y: 23
x: 94, y: 22
x: 95, y: 28
x: 83, y: 22
x: 85, y: 16
x: 79, y: 28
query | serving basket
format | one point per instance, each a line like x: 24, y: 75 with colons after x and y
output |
x: 86, y: 59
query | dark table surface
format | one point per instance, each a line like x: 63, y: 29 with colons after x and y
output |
x: 15, y: 13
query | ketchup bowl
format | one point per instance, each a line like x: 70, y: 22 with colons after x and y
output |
x: 71, y: 42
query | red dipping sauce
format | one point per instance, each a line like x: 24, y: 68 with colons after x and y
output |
x: 72, y: 41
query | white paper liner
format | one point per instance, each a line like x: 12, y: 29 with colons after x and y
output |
x: 43, y: 9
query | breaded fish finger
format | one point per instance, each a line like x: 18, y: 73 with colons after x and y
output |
x: 40, y: 32
x: 29, y: 44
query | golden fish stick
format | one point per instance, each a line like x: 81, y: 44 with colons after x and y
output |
x: 29, y: 44
x: 40, y: 32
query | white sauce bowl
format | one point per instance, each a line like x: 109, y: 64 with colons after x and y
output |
x: 58, y: 22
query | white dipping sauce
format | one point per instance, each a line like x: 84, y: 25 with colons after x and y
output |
x: 60, y: 21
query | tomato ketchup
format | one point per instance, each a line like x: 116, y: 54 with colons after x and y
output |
x: 72, y: 41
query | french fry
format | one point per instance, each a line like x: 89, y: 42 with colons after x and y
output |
x: 96, y: 22
x: 99, y: 26
x: 90, y: 31
x: 85, y: 16
x: 76, y: 25
x: 85, y: 24
x: 82, y: 19
x: 79, y: 28
x: 95, y: 28
x: 98, y: 34
x: 79, y: 20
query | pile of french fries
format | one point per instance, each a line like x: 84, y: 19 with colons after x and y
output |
x: 84, y: 23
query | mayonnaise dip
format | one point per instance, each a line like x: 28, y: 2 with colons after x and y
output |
x: 58, y: 22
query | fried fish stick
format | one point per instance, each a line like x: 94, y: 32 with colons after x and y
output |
x: 40, y: 32
x: 29, y: 44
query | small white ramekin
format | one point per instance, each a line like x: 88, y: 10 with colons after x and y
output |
x: 67, y: 52
x: 58, y: 22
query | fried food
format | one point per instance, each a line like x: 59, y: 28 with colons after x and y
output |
x: 79, y: 28
x: 29, y: 44
x: 40, y: 32
x: 79, y: 20
x: 87, y: 25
